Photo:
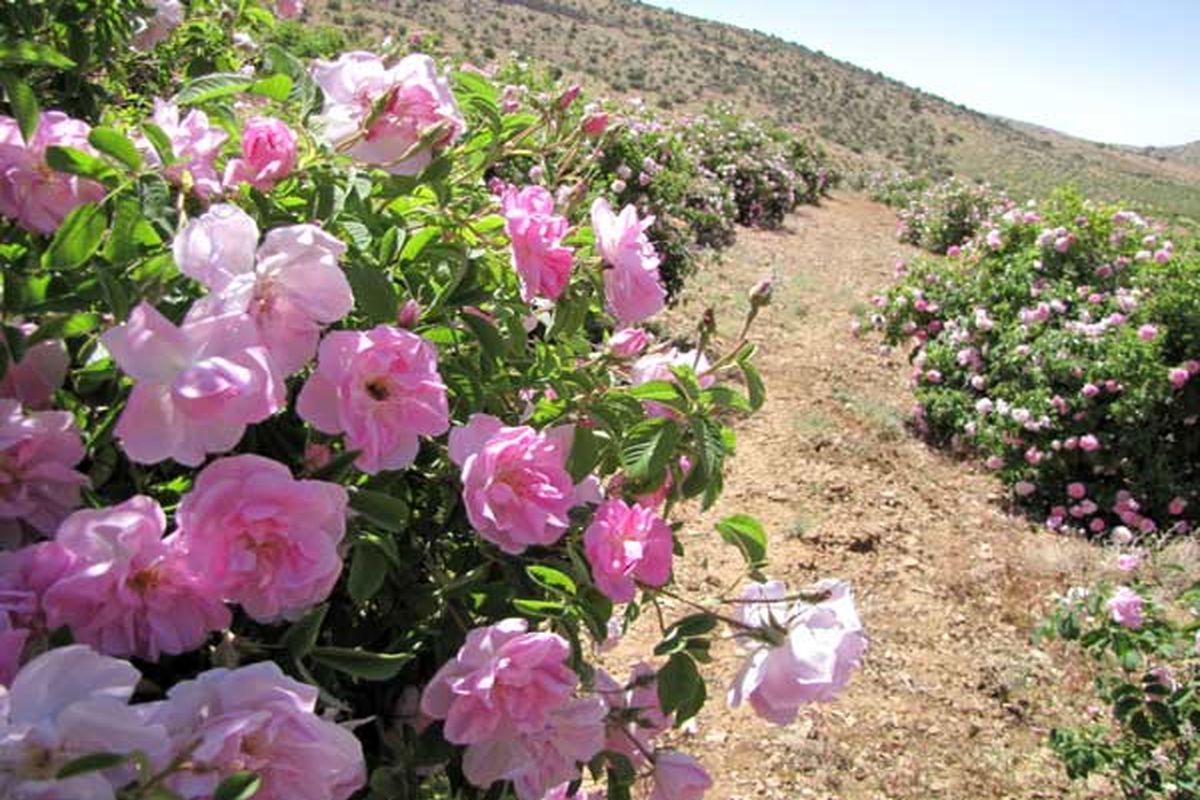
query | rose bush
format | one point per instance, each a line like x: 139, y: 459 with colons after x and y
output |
x: 324, y: 469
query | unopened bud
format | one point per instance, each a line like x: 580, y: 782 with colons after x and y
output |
x: 409, y: 314
x: 568, y: 97
x: 708, y: 322
x: 760, y: 293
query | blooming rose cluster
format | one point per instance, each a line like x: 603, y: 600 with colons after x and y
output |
x: 72, y: 702
x: 536, y: 232
x: 33, y: 194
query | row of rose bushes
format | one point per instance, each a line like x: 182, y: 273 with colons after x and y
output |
x: 333, y: 447
x: 940, y: 216
x: 1062, y: 345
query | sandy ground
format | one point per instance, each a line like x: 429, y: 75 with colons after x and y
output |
x: 954, y: 701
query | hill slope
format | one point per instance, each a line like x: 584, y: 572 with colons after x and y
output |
x: 677, y: 62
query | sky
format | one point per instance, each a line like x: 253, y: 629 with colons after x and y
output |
x: 1117, y: 71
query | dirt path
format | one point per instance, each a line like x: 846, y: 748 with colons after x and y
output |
x: 953, y: 701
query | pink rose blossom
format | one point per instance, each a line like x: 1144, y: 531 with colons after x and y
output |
x: 128, y: 591
x: 626, y: 545
x: 994, y: 239
x: 37, y: 376
x: 1076, y: 491
x: 679, y: 777
x: 197, y: 387
x: 1179, y: 377
x: 656, y: 366
x: 266, y: 541
x: 409, y: 314
x: 268, y: 154
x: 1128, y: 562
x: 1089, y: 443
x: 1125, y: 608
x: 595, y: 123
x: 67, y: 703
x: 290, y: 286
x: 632, y: 288
x: 257, y: 719
x: 381, y: 388
x: 504, y: 681
x: 31, y: 193
x: 1147, y: 333
x: 409, y: 107
x: 628, y: 342
x: 168, y: 15
x: 536, y: 232
x: 289, y: 9
x: 38, y: 455
x: 516, y: 487
x: 1024, y: 488
x: 195, y: 144
x: 1177, y: 506
x: 815, y: 649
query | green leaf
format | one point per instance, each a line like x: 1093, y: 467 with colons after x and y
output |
x: 585, y: 452
x: 658, y: 391
x: 276, y: 87
x: 301, y: 637
x: 113, y: 143
x: 77, y: 162
x: 64, y: 326
x: 31, y: 54
x: 77, y: 238
x: 539, y: 608
x: 92, y: 762
x: 368, y: 571
x: 490, y: 342
x: 238, y: 786
x: 374, y: 294
x: 23, y: 103
x: 680, y: 688
x: 212, y: 87
x: 676, y: 637
x: 160, y: 142
x: 361, y: 663
x: 131, y: 232
x: 647, y: 448
x: 746, y: 534
x: 551, y: 578
x: 755, y: 387
x: 382, y: 510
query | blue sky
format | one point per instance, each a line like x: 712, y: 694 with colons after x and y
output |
x: 1122, y: 71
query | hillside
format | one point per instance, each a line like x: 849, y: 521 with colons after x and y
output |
x: 677, y: 62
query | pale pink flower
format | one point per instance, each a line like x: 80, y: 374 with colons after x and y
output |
x: 168, y: 15
x: 291, y: 286
x: 257, y: 719
x: 289, y: 9
x: 503, y: 682
x: 635, y: 716
x: 1128, y: 562
x: 1147, y: 333
x: 814, y: 649
x: 626, y: 545
x: 129, y: 592
x: 37, y: 197
x: 628, y: 342
x: 994, y: 239
x: 632, y: 288
x: 381, y: 388
x: 37, y: 376
x: 197, y: 387
x: 678, y: 777
x: 516, y: 487
x: 1076, y: 490
x: 67, y: 703
x: 195, y: 144
x: 536, y: 232
x: 1024, y: 488
x: 1179, y: 377
x: 38, y: 481
x: 656, y: 366
x: 268, y: 542
x: 268, y: 154
x: 409, y: 108
x: 1125, y: 608
x: 1089, y: 443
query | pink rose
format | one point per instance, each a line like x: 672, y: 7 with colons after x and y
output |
x: 197, y: 387
x: 256, y: 718
x: 817, y: 647
x: 632, y: 288
x: 657, y: 366
x: 1147, y: 333
x: 1125, y: 608
x: 268, y: 153
x: 128, y: 591
x: 1179, y: 377
x: 994, y: 240
x: 536, y: 232
x: 267, y: 541
x: 635, y: 716
x: 409, y: 107
x: 168, y: 15
x: 1177, y: 506
x: 381, y: 388
x: 195, y: 144
x: 38, y: 454
x: 628, y: 342
x: 1089, y: 443
x: 627, y: 545
x: 289, y: 9
x: 67, y: 703
x: 595, y: 123
x: 1128, y: 562
x: 1076, y: 491
x: 37, y: 376
x: 678, y: 777
x: 37, y: 197
x: 504, y: 681
x: 290, y: 287
x: 516, y: 487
